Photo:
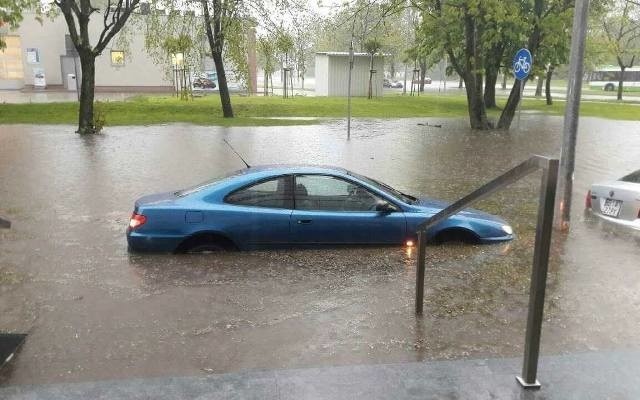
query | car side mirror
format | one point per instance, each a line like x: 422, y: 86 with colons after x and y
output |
x: 384, y: 207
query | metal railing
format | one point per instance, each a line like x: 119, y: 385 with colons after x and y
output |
x: 540, y: 252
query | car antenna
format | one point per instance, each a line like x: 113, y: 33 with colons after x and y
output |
x: 234, y: 150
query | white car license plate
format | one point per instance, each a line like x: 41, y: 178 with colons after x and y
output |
x: 611, y: 207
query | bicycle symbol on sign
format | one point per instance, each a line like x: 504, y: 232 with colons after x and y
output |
x: 522, y: 65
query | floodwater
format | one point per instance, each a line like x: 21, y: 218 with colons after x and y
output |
x: 93, y: 311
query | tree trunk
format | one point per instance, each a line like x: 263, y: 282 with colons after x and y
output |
x: 87, y: 90
x: 539, y: 87
x: 460, y: 83
x: 548, y: 84
x: 266, y: 84
x: 370, y: 94
x: 423, y: 73
x: 621, y: 81
x: 533, y: 44
x: 490, y: 77
x: 509, y: 110
x: 477, y: 111
x: 216, y: 46
x: 225, y: 99
x: 505, y: 72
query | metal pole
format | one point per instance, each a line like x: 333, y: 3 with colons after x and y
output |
x: 520, y: 101
x: 349, y: 88
x: 539, y: 276
x: 571, y: 113
x: 422, y: 247
x: 75, y: 72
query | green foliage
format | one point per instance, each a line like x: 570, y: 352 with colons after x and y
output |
x: 236, y: 49
x: 99, y: 116
x: 372, y: 46
x: 11, y: 14
x: 267, y: 53
x: 170, y: 30
x: 284, y: 46
x: 615, y: 36
x: 267, y: 111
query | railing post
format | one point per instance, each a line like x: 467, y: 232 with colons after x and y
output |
x: 539, y: 276
x: 422, y: 246
x: 5, y: 223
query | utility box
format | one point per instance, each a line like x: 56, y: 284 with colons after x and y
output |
x: 71, y: 82
x: 332, y: 74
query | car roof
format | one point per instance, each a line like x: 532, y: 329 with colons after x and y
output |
x: 292, y: 169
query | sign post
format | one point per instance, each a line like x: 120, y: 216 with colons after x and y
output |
x: 522, y: 65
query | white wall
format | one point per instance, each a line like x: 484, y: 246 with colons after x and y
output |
x: 49, y: 39
x: 332, y: 75
x: 322, y: 70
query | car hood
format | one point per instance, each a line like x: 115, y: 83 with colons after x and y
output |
x: 467, y: 212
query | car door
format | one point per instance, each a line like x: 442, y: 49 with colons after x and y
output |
x: 260, y: 214
x: 333, y: 210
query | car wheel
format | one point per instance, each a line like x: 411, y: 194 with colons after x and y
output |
x: 206, y: 248
x: 206, y: 243
x: 609, y: 87
x: 456, y: 236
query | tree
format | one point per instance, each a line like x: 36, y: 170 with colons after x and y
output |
x: 77, y: 14
x: 219, y: 16
x: 371, y: 46
x: 267, y: 59
x: 621, y: 28
x: 478, y: 36
x: 547, y: 22
x: 170, y: 31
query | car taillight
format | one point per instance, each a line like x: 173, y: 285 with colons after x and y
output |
x: 587, y: 200
x: 137, y: 220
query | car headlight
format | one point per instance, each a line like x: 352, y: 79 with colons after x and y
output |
x: 507, y: 229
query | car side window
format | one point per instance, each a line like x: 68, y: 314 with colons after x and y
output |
x: 272, y: 193
x: 328, y: 193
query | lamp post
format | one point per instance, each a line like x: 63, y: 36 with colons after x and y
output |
x: 349, y: 87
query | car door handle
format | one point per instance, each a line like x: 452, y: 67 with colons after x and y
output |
x: 304, y: 221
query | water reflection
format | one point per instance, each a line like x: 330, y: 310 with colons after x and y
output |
x: 64, y: 268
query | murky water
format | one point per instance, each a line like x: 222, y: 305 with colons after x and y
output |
x: 93, y: 311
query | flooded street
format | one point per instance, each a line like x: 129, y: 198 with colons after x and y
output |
x: 93, y: 311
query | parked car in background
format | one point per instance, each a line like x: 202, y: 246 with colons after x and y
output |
x: 391, y: 84
x: 204, y: 83
x: 427, y: 81
x: 617, y: 201
x: 290, y: 205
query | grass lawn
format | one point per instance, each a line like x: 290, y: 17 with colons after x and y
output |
x: 265, y: 111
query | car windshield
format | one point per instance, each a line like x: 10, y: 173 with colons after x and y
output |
x: 632, y: 177
x: 386, y: 188
x: 207, y: 184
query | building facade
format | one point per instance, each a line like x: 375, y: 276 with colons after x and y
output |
x: 42, y: 55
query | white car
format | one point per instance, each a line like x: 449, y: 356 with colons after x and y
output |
x: 617, y: 201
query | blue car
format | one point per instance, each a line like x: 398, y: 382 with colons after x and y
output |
x: 287, y: 206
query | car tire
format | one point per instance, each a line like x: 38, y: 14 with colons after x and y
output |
x: 456, y: 236
x: 206, y: 243
x: 206, y: 248
x: 609, y: 87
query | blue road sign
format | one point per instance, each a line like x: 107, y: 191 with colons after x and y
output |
x: 522, y: 64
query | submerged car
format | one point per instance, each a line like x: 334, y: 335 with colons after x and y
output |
x: 617, y: 201
x: 288, y: 206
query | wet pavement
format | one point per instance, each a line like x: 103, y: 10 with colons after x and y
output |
x: 94, y: 312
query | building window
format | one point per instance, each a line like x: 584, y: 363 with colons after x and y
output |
x: 117, y: 58
x: 11, y: 59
